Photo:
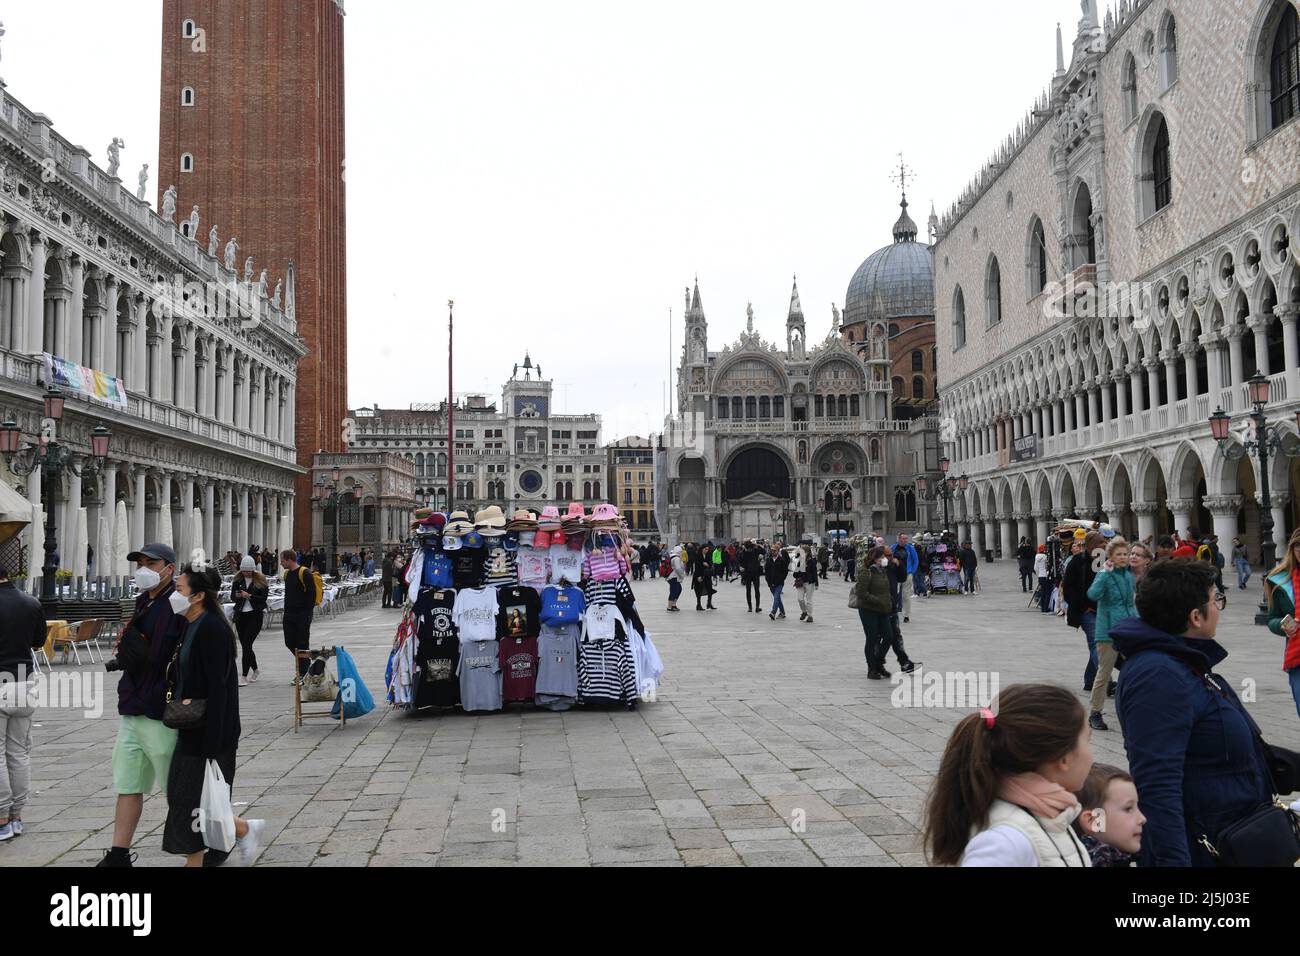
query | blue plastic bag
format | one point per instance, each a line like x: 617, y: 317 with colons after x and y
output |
x: 353, y: 694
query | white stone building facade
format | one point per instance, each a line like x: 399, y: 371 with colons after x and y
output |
x: 1119, y: 270
x: 90, y: 274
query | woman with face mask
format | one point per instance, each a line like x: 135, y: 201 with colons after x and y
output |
x: 249, y: 592
x: 875, y: 605
x: 203, y: 668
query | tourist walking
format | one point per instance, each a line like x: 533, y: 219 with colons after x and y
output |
x: 399, y: 584
x: 702, y: 575
x: 249, y: 591
x: 22, y: 630
x: 1044, y: 580
x: 751, y: 575
x: 675, y: 577
x: 823, y: 560
x: 1081, y: 610
x: 876, y: 600
x: 805, y: 581
x: 300, y: 594
x: 203, y: 669
x: 1004, y: 794
x: 969, y: 561
x: 1025, y: 555
x: 1194, y: 752
x: 1113, y: 591
x: 1280, y: 592
x: 778, y: 568
x: 386, y: 579
x: 1241, y: 561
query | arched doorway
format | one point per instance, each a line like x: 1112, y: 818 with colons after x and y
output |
x: 756, y: 490
x: 691, y: 526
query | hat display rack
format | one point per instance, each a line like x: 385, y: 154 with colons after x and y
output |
x: 528, y: 559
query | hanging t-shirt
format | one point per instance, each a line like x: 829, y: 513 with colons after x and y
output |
x: 518, y: 612
x: 518, y: 660
x: 438, y: 650
x: 475, y: 614
x: 606, y: 673
x: 566, y: 564
x: 533, y: 566
x: 437, y: 570
x: 562, y: 606
x: 598, y: 623
x: 604, y: 564
x: 557, y: 667
x: 467, y: 568
x: 480, y: 676
x: 499, y: 568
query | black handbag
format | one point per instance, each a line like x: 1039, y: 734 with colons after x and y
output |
x: 178, y: 714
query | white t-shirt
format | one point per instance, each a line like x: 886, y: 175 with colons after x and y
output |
x: 475, y: 614
x: 566, y: 564
x: 534, y: 567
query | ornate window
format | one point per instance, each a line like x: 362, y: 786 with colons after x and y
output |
x: 724, y: 407
x: 918, y: 361
x: 778, y: 407
x: 1168, y: 51
x: 1155, y: 177
x: 958, y: 320
x: 1284, y: 68
x: 993, y: 291
x: 1037, y: 260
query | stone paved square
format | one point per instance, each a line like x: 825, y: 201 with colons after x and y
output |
x: 758, y: 724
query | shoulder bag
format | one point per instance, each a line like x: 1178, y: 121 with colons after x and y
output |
x: 179, y: 714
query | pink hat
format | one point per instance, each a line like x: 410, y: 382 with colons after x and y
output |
x: 576, y: 511
x: 605, y: 512
x: 550, y: 519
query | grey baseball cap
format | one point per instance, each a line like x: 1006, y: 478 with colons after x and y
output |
x: 153, y: 552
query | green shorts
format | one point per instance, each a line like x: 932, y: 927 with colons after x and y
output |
x: 142, y: 755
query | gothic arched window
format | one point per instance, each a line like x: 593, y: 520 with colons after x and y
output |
x: 1284, y: 68
x: 993, y: 291
x: 1168, y: 51
x: 1037, y: 260
x: 958, y: 319
x: 1155, y: 183
x: 1128, y: 89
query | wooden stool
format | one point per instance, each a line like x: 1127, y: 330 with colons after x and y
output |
x: 324, y: 653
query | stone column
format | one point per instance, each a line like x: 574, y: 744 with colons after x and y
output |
x: 209, y: 519
x: 1182, y: 510
x: 1146, y: 517
x: 36, y: 296
x: 1135, y: 387
x: 227, y: 523
x: 1233, y: 333
x: 1044, y: 522
x: 138, y: 510
x: 1122, y: 383
x: 1093, y: 417
x: 1290, y: 351
x: 108, y: 329
x: 239, y: 401
x: 1070, y: 405
x: 140, y: 348
x: 1024, y: 528
x: 228, y: 383
x: 167, y: 360
x: 1152, y: 365
x: 185, y: 384
x: 165, y: 505
x: 1170, y: 358
x: 1224, y: 509
x: 259, y: 523
x: 1213, y: 364
x: 1008, y: 536
x: 1058, y: 418
x: 1278, y: 502
x: 1259, y: 325
x: 1188, y: 352
x: 210, y: 386
x: 76, y: 310
x: 290, y: 424
x: 1107, y: 412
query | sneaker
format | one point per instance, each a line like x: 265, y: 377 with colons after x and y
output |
x: 810, y: 620
x: 875, y: 675
x: 911, y: 666
x: 803, y: 615
x: 243, y: 682
x: 215, y: 858
x: 293, y: 682
x: 1110, y: 689
x: 1087, y: 688
x: 772, y: 616
x: 906, y: 620
x: 781, y: 615
x: 253, y: 675
x: 117, y: 856
x: 885, y: 675
x: 6, y: 832
x: 250, y: 842
x: 758, y: 610
x: 17, y: 825
x: 1096, y: 723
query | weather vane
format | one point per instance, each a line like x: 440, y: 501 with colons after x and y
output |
x: 901, y: 176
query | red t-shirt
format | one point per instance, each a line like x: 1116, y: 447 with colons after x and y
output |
x: 518, y: 659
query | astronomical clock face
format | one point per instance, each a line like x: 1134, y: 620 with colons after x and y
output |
x: 531, y: 407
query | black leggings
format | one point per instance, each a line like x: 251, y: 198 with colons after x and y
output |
x: 758, y: 599
x: 248, y: 625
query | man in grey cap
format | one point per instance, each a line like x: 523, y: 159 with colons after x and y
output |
x: 142, y: 755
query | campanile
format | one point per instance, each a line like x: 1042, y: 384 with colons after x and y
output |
x: 251, y: 131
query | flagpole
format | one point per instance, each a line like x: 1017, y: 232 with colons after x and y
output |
x: 451, y: 413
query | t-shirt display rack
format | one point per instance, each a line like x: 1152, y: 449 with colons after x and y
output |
x: 536, y: 612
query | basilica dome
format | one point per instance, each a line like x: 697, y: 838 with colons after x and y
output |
x: 895, y: 282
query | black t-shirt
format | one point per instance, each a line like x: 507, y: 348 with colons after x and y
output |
x: 519, y: 610
x: 467, y: 568
x: 437, y: 651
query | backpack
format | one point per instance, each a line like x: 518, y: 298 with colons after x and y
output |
x: 665, y: 568
x: 1203, y: 553
x: 317, y: 582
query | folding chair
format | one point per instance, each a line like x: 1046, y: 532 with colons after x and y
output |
x: 87, y: 635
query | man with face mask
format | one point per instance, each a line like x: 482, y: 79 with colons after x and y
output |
x: 142, y: 755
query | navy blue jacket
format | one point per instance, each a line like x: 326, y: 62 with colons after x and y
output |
x: 1191, y: 750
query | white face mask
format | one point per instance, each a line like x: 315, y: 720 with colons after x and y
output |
x: 884, y: 562
x: 146, y: 579
x: 179, y: 602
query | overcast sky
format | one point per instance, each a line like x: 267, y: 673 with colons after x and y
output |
x: 563, y: 170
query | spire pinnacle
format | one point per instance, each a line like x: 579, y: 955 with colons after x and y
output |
x: 1060, y: 51
x: 796, y: 309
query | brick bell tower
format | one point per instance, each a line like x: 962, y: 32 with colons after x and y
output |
x: 251, y: 131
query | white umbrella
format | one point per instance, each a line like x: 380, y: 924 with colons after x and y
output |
x: 165, y: 525
x: 285, y: 536
x: 102, y: 545
x: 79, y: 542
x: 37, y: 556
x: 196, y: 538
x: 120, y: 566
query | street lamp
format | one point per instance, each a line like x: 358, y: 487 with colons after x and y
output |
x: 52, y: 458
x: 330, y: 495
x: 1265, y: 440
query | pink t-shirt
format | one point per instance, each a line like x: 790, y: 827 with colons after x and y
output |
x: 533, y: 566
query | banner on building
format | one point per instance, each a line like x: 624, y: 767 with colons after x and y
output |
x: 78, y: 379
x: 1024, y: 449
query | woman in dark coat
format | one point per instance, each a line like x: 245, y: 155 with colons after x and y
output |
x: 875, y: 604
x: 701, y: 576
x: 1082, y: 611
x: 203, y: 668
x: 249, y: 591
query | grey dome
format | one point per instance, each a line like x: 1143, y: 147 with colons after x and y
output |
x: 895, y: 282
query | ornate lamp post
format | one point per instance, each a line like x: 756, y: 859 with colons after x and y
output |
x: 1266, y: 440
x: 329, y: 493
x: 52, y: 458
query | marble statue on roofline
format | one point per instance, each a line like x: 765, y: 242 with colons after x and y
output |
x: 169, y: 204
x: 212, y: 241
x: 232, y: 250
x: 143, y: 182
x: 194, y: 224
x: 115, y: 156
x: 279, y: 289
x: 248, y: 269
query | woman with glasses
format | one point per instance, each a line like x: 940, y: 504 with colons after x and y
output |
x: 1280, y: 593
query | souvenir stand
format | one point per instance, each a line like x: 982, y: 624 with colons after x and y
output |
x: 536, y: 611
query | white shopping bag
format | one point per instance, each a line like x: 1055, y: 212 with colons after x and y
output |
x: 215, y: 812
